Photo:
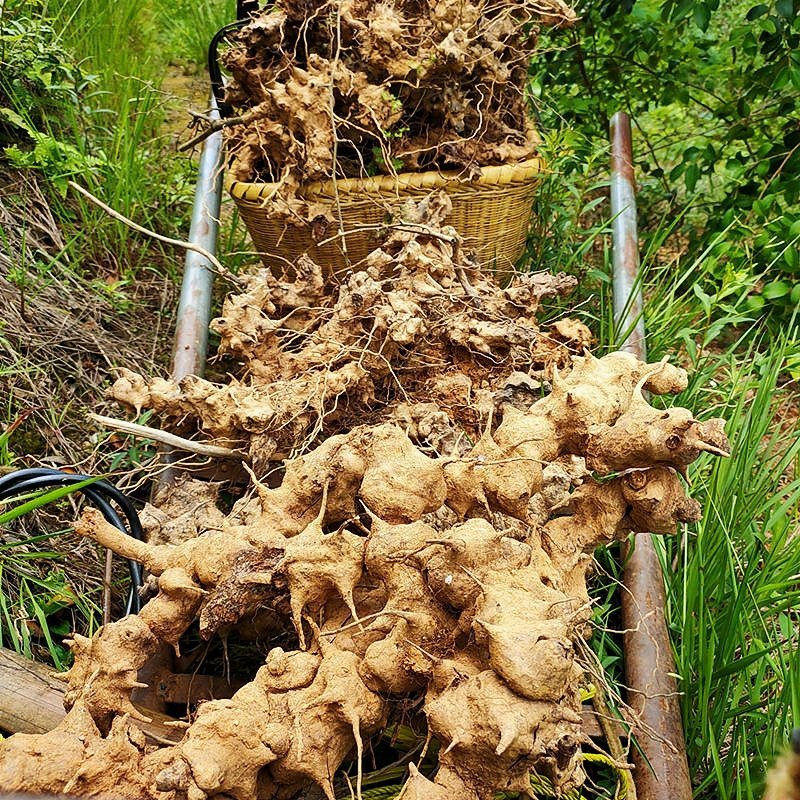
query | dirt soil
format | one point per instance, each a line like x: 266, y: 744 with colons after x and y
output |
x: 430, y: 474
x: 61, y: 334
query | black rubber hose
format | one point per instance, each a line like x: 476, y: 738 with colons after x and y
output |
x: 244, y: 8
x: 100, y: 494
x: 102, y: 486
x: 32, y: 479
x: 97, y: 498
x: 214, y: 68
x: 134, y: 602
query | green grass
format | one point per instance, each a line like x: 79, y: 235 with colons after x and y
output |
x: 186, y: 26
x: 39, y: 606
x: 734, y: 600
x: 734, y: 577
x: 109, y: 134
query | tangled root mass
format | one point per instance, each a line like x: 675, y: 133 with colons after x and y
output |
x: 356, y: 88
x: 449, y: 469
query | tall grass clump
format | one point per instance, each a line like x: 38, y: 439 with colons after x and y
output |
x: 187, y: 27
x: 125, y: 112
x: 734, y: 596
x: 39, y: 606
x: 733, y: 579
x: 108, y: 134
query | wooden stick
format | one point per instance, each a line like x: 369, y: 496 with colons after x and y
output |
x: 169, y: 439
x: 211, y: 126
x: 107, y: 576
x: 147, y: 232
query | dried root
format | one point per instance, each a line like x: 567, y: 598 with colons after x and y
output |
x: 360, y: 88
x: 322, y: 364
x: 454, y: 573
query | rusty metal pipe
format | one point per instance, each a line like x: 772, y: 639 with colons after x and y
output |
x: 662, y: 771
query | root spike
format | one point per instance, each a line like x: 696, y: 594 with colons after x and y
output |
x: 507, y: 735
x: 456, y: 741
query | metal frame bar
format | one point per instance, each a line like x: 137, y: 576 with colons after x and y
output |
x: 191, y: 344
x: 662, y: 771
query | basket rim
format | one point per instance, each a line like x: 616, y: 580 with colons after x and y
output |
x: 502, y: 175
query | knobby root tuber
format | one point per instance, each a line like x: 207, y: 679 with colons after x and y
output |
x: 429, y: 538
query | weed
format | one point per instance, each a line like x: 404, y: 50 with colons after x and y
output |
x: 568, y: 220
x: 38, y: 604
x: 732, y: 578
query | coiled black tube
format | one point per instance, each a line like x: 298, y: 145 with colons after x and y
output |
x: 101, y: 494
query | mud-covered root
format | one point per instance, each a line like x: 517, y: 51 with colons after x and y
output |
x: 418, y: 787
x: 105, y: 669
x: 325, y: 89
x: 224, y: 751
x: 206, y: 560
x: 378, y: 466
x: 491, y: 738
x: 335, y: 712
x: 295, y: 723
x: 482, y: 614
x: 429, y: 539
x: 400, y: 484
x: 378, y: 337
x: 458, y: 561
x: 541, y: 667
x: 318, y: 566
x: 597, y: 412
x: 645, y: 437
x: 76, y: 759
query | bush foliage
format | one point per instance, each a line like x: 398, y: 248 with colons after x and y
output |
x: 713, y: 90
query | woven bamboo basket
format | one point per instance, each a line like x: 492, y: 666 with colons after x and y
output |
x: 492, y: 213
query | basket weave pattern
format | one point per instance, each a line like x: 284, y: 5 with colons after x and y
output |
x: 492, y: 214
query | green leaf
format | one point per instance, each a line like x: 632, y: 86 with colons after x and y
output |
x: 781, y: 79
x: 776, y: 290
x: 756, y: 11
x: 676, y: 11
x: 44, y: 499
x: 691, y: 176
x: 701, y: 16
x: 705, y: 299
x: 743, y: 661
x: 691, y: 154
x: 785, y: 8
x: 755, y: 302
x: 11, y: 116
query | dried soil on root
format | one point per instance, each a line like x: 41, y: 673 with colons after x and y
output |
x: 350, y: 89
x: 410, y: 335
x: 433, y: 545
